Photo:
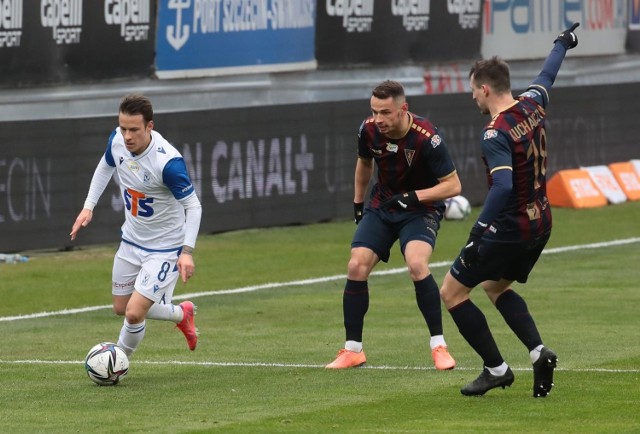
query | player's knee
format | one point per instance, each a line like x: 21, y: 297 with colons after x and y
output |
x: 449, y: 297
x: 120, y: 304
x: 452, y: 293
x: 357, y: 269
x: 134, y: 314
x: 418, y: 269
x: 134, y: 317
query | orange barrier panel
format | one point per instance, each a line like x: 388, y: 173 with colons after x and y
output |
x: 574, y: 188
x: 628, y: 179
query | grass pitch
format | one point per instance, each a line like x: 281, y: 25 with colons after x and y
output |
x: 270, y: 317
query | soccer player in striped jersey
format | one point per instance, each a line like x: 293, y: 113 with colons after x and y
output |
x: 514, y: 224
x: 415, y: 175
x: 162, y: 219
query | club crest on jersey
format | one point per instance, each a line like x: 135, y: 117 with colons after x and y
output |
x: 409, y: 153
x: 490, y: 134
x: 392, y: 147
x: 133, y: 166
x: 435, y: 141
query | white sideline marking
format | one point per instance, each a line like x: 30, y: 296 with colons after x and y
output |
x: 304, y: 282
x: 297, y: 365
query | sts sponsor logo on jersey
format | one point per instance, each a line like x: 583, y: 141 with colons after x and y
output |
x: 490, y: 134
x: 138, y: 203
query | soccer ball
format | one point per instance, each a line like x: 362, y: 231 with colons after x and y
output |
x: 106, y: 363
x: 458, y: 208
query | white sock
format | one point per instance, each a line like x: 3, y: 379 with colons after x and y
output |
x: 130, y: 336
x: 354, y: 346
x: 436, y: 341
x: 535, y: 353
x: 165, y: 312
x: 499, y: 371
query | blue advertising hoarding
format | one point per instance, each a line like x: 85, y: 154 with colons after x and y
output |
x: 199, y: 38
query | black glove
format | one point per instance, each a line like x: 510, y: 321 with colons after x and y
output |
x: 401, y: 201
x: 568, y: 38
x: 470, y: 253
x: 358, y: 210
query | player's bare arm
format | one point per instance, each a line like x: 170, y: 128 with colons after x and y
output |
x: 83, y: 220
x: 448, y: 186
x: 185, y: 264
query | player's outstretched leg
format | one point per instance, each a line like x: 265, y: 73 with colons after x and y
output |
x: 188, y: 325
x: 543, y: 373
x: 486, y: 381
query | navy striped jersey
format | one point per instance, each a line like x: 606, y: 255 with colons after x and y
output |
x: 414, y: 162
x: 515, y: 138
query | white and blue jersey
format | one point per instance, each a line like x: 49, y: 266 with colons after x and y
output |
x: 152, y: 186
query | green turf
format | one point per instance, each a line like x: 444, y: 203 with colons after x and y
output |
x: 258, y: 366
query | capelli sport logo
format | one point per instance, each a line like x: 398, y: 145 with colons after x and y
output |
x: 415, y: 13
x: 10, y: 23
x: 132, y: 16
x: 357, y: 16
x: 64, y: 17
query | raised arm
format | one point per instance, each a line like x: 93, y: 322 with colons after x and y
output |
x: 543, y: 82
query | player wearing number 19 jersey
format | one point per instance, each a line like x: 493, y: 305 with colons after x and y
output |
x: 514, y: 224
x: 516, y: 139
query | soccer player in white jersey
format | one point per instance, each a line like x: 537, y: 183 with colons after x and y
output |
x: 162, y: 219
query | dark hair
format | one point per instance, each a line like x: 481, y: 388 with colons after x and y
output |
x: 494, y: 72
x: 388, y: 89
x: 137, y: 104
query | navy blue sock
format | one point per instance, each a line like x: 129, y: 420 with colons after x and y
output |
x: 355, y: 303
x: 428, y: 299
x: 474, y: 328
x: 515, y: 312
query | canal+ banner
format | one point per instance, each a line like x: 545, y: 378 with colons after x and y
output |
x: 200, y: 38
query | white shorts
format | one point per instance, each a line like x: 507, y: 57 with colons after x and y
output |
x: 153, y: 274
